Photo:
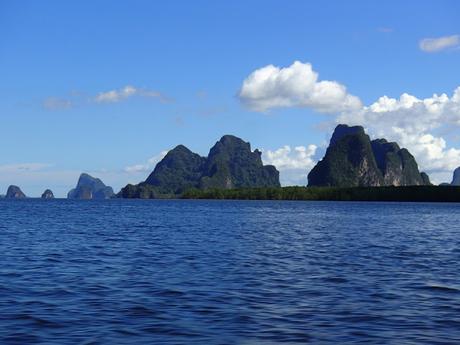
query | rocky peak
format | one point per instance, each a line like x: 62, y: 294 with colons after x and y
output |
x: 343, y: 130
x: 47, y: 194
x: 179, y: 170
x: 232, y: 164
x: 89, y: 187
x: 353, y: 160
x: 14, y: 192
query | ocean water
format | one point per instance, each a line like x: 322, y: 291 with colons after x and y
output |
x: 228, y: 272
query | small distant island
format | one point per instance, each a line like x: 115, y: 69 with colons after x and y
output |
x: 47, y: 194
x: 354, y: 168
x: 89, y: 187
x: 14, y: 192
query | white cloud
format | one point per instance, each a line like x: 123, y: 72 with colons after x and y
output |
x: 293, y: 164
x: 433, y: 45
x: 148, y: 166
x: 111, y: 96
x: 114, y: 96
x: 272, y: 87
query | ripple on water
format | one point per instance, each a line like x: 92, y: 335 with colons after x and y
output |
x: 228, y: 272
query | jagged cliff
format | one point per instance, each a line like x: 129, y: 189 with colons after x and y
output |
x: 456, y: 177
x: 230, y: 164
x: 352, y: 159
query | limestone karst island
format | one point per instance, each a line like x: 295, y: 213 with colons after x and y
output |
x: 354, y: 167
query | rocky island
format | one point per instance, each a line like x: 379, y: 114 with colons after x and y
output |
x: 354, y: 167
x: 229, y: 164
x: 47, y: 194
x: 14, y: 192
x: 353, y: 160
x: 89, y: 187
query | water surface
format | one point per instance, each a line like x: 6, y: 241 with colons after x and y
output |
x: 228, y: 272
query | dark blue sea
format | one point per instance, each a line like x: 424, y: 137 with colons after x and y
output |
x: 228, y: 272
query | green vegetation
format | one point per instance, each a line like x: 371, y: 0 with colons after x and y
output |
x: 403, y: 193
x: 144, y: 191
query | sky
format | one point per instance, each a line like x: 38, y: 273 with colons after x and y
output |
x: 107, y: 87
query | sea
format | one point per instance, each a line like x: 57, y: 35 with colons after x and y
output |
x: 228, y: 272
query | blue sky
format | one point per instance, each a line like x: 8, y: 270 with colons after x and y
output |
x: 176, y: 70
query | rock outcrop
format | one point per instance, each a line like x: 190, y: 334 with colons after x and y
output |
x: 89, y: 187
x: 47, y: 194
x: 456, y: 178
x: 397, y: 165
x: 352, y: 160
x: 179, y: 170
x: 14, y: 192
x: 230, y: 164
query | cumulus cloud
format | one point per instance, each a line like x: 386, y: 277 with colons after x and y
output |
x: 272, y: 87
x: 433, y: 45
x: 114, y: 96
x: 293, y: 164
x: 146, y: 166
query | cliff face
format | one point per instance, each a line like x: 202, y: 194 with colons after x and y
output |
x: 349, y: 161
x: 456, y: 178
x: 14, y: 192
x: 230, y: 164
x: 352, y: 159
x: 397, y: 165
x: 89, y: 187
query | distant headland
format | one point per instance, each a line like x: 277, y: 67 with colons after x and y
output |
x: 354, y: 167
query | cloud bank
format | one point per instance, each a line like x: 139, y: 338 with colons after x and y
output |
x: 414, y: 123
x: 433, y: 45
x: 272, y: 87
